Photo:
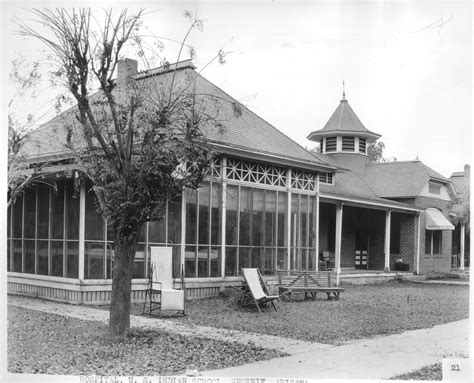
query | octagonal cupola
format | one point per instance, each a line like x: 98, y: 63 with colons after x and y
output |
x: 344, y: 132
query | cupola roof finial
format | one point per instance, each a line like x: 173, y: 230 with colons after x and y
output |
x: 343, y: 91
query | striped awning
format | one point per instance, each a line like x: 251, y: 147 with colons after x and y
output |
x: 435, y: 220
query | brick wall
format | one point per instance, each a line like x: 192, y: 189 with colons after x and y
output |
x: 348, y: 239
x: 407, y: 241
x: 436, y: 262
x: 376, y: 239
x: 324, y: 225
x: 439, y: 262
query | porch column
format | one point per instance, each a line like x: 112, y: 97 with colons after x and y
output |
x: 387, y: 240
x: 462, y: 244
x: 82, y: 229
x: 339, y: 208
x: 316, y: 225
x: 288, y: 220
x: 223, y: 212
x: 418, y: 228
x: 183, y: 228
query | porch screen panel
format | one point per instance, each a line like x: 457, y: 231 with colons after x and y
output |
x: 57, y: 212
x: 94, y: 223
x: 312, y: 252
x: 57, y: 251
x: 72, y: 229
x: 43, y: 211
x: 29, y: 230
x: 43, y: 229
x: 203, y: 231
x: 43, y: 256
x: 17, y: 255
x: 174, y: 233
x: 29, y: 256
x: 72, y: 211
x: 216, y: 223
x: 231, y: 229
x: 257, y: 250
x: 270, y: 231
x: 245, y: 228
x: 282, y: 213
x: 17, y: 234
x: 30, y: 213
x: 72, y: 259
x: 18, y: 217
x: 94, y: 247
x: 138, y: 270
x: 9, y: 229
x: 190, y: 262
x: 303, y: 236
x: 295, y: 233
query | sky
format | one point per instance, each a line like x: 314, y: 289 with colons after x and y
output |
x: 406, y: 66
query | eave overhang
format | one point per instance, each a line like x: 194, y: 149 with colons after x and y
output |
x: 273, y: 158
x: 318, y: 134
x: 377, y: 205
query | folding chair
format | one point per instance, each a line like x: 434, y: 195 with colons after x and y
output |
x: 160, y: 294
x: 256, y: 292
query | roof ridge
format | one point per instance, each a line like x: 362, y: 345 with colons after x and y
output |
x: 393, y: 162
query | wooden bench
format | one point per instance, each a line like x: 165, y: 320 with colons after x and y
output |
x: 308, y: 282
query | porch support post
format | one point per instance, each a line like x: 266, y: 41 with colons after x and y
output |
x: 387, y: 240
x: 418, y: 228
x: 339, y: 208
x: 462, y: 244
x: 82, y: 228
x: 223, y: 212
x: 183, y: 228
x: 316, y: 225
x: 288, y: 220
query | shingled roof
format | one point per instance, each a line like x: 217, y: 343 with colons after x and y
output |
x: 402, y: 179
x: 242, y: 131
x: 343, y: 121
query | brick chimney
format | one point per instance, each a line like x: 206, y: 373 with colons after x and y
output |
x: 467, y: 170
x: 126, y: 68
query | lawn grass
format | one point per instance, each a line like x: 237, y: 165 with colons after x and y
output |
x: 433, y: 372
x: 53, y: 344
x: 363, y: 311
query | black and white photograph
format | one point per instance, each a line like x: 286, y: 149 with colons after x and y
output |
x: 236, y: 191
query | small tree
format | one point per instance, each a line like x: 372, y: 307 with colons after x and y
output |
x: 462, y: 211
x: 140, y: 143
x: 375, y: 152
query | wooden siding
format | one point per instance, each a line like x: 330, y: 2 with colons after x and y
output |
x: 444, y: 194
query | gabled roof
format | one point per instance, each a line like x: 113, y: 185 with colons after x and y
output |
x: 400, y: 179
x: 241, y: 130
x: 343, y: 121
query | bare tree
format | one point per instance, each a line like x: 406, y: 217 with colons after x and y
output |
x: 25, y: 77
x: 139, y: 142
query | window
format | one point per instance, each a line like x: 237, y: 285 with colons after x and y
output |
x: 362, y: 145
x: 395, y: 234
x: 434, y: 188
x: 433, y: 242
x: 348, y: 144
x: 326, y: 178
x: 331, y: 144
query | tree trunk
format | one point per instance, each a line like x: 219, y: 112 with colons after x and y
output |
x: 119, y: 323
